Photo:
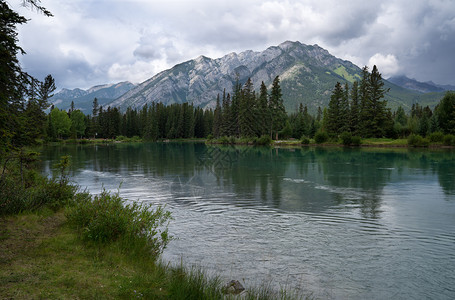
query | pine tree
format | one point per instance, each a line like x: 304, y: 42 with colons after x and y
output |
x: 217, y: 118
x: 247, y: 120
x: 334, y: 115
x: 354, y: 109
x: 263, y: 110
x: 276, y: 106
x: 378, y: 110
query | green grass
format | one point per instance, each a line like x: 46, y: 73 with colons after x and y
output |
x: 384, y: 142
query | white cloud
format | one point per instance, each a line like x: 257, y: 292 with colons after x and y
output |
x: 386, y: 64
x: 137, y: 38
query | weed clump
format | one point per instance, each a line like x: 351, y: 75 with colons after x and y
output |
x: 106, y: 218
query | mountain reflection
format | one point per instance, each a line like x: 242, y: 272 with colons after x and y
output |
x: 304, y: 179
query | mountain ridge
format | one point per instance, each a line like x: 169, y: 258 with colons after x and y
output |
x: 200, y: 80
x: 83, y: 99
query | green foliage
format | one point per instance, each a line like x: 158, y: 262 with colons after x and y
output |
x: 346, y: 138
x: 321, y: 137
x: 436, y: 137
x: 449, y: 140
x: 106, y: 218
x: 77, y: 123
x: 264, y: 140
x: 416, y: 140
x: 304, y: 140
x: 356, y: 141
x: 60, y: 122
x: 36, y: 192
x: 446, y: 113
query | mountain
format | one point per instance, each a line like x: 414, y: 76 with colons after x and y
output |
x: 412, y: 84
x: 308, y: 75
x: 83, y: 99
x: 422, y: 87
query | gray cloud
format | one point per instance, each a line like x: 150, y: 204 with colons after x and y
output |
x: 92, y: 42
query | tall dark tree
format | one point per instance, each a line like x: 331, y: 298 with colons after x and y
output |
x: 334, y: 116
x: 263, y: 109
x: 276, y: 109
x: 354, y: 108
x: 247, y: 112
x: 12, y: 79
x: 446, y: 113
x: 217, y: 118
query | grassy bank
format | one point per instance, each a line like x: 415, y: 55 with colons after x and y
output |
x: 58, y: 243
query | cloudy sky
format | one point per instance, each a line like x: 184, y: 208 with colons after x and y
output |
x: 90, y: 42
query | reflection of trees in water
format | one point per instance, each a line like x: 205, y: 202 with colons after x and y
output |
x: 250, y: 171
x: 362, y: 171
x: 258, y: 173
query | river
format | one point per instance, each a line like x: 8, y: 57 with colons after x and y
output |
x: 331, y: 222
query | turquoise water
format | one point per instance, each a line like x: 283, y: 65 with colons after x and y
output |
x: 337, y: 223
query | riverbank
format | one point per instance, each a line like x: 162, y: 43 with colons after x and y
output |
x: 57, y: 243
x: 43, y: 258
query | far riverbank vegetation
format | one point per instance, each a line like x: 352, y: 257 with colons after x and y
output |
x: 357, y: 114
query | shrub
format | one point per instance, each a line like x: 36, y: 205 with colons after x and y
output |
x: 105, y: 219
x: 304, y: 140
x: 136, y: 139
x: 120, y: 138
x: 436, y: 137
x: 223, y: 140
x: 51, y: 193
x: 449, y: 140
x: 416, y: 140
x: 321, y: 137
x: 356, y: 141
x: 346, y: 138
x: 264, y: 140
x: 232, y: 140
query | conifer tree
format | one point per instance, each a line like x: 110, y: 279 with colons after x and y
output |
x: 247, y: 117
x: 334, y: 114
x: 263, y: 109
x: 354, y: 109
x: 276, y: 106
x: 217, y: 118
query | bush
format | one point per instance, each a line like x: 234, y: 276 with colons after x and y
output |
x: 416, y: 140
x: 346, y: 138
x: 356, y: 141
x: 51, y: 193
x: 321, y: 137
x: 436, y: 137
x: 449, y: 140
x: 120, y: 138
x: 264, y: 140
x: 223, y: 140
x: 304, y: 140
x: 106, y: 218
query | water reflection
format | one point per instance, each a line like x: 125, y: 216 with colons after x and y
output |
x: 306, y: 179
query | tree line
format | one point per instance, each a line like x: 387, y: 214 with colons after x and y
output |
x: 359, y: 110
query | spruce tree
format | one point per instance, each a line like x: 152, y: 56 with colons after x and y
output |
x: 217, y: 118
x: 354, y: 109
x: 378, y: 111
x: 277, y: 111
x: 263, y: 113
x: 333, y: 121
